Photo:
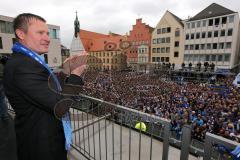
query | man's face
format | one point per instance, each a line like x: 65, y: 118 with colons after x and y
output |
x: 37, y: 36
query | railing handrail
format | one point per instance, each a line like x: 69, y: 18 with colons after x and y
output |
x: 164, y: 120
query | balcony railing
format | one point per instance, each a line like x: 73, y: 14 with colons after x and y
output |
x: 105, y: 131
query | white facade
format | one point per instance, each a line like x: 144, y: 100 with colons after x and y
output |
x: 76, y: 46
x: 143, y: 54
x: 167, y: 41
x: 213, y: 40
x: 7, y: 38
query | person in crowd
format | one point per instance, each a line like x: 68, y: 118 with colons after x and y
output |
x: 37, y: 96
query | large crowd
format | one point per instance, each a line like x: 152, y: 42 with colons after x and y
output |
x: 207, y: 107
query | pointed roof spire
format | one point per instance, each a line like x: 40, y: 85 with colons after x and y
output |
x: 76, y: 26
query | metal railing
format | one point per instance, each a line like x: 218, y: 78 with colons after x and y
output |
x: 210, y: 152
x: 102, y: 131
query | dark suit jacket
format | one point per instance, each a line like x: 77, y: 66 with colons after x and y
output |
x: 39, y: 133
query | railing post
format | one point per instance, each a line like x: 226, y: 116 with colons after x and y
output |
x: 166, y: 141
x: 186, y: 140
x: 207, y: 147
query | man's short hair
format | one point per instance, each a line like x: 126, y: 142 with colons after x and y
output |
x: 22, y: 21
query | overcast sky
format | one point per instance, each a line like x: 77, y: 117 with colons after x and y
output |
x: 103, y: 16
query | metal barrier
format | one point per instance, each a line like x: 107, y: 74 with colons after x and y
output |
x: 210, y: 152
x: 103, y: 130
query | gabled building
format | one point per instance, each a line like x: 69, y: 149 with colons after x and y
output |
x: 104, y: 50
x: 213, y: 36
x: 168, y: 40
x: 138, y: 56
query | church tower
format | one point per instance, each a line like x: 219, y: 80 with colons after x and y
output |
x: 76, y: 45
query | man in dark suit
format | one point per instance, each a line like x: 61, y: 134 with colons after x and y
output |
x: 38, y: 107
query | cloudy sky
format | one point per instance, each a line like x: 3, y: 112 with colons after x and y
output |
x: 103, y: 16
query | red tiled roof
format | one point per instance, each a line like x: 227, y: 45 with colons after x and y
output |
x: 87, y: 37
x: 93, y: 41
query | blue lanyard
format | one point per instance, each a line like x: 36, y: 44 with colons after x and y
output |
x: 19, y: 48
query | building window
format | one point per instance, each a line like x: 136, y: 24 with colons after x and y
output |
x: 158, y: 50
x: 188, y: 25
x: 198, y: 24
x: 193, y: 24
x: 153, y: 59
x: 224, y: 20
x: 167, y: 59
x: 209, y: 46
x: 163, y: 40
x: 192, y: 36
x: 164, y: 30
x: 202, y: 46
x: 196, y: 46
x: 210, y: 22
x: 191, y: 47
x: 168, y: 40
x: 168, y: 29
x: 154, y: 41
x: 176, y: 44
x: 162, y: 59
x: 213, y: 57
x: 154, y: 50
x: 195, y: 58
x: 187, y: 36
x: 203, y: 34
x: 220, y: 58
x: 228, y: 45
x: 215, y: 33
x: 6, y: 27
x: 207, y: 57
x: 1, y: 46
x: 214, y: 45
x: 167, y: 49
x: 197, y: 35
x: 221, y: 46
x: 163, y: 50
x: 186, y: 47
x: 204, y: 23
x: 186, y: 57
x: 176, y: 54
x: 217, y: 20
x: 53, y: 33
x: 230, y: 31
x: 231, y: 19
x: 158, y: 31
x: 177, y: 33
x: 209, y: 34
x: 222, y: 33
x: 227, y: 57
